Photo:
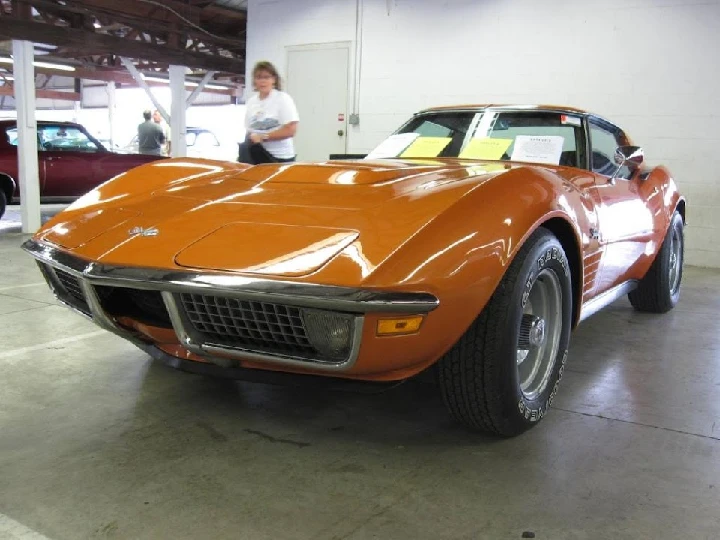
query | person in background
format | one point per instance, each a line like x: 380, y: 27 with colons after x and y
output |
x: 157, y: 118
x: 271, y: 120
x: 150, y: 136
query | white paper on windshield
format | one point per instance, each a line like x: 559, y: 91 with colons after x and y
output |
x: 538, y: 149
x: 392, y: 146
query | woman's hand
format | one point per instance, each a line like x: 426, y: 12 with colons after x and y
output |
x: 256, y: 138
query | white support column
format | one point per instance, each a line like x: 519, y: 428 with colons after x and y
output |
x: 77, y: 106
x: 111, y: 113
x: 28, y: 171
x: 177, y: 112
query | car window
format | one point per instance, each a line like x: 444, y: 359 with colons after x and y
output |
x: 451, y: 125
x: 604, y: 143
x: 64, y: 138
x: 433, y: 127
x: 205, y: 138
x: 12, y: 135
x: 530, y: 136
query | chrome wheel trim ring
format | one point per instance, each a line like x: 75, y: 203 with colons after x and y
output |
x: 675, y: 264
x: 535, y: 364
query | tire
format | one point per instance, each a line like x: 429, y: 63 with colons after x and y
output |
x: 659, y: 290
x: 3, y: 203
x: 484, y: 379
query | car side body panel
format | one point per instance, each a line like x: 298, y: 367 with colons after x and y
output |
x: 65, y: 175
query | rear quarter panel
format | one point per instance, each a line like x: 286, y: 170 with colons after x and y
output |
x: 659, y: 192
x: 672, y: 199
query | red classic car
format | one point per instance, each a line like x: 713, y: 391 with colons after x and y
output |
x: 71, y: 162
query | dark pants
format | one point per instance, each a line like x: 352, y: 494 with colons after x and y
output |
x: 255, y: 154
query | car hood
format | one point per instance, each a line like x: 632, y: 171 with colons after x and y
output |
x: 271, y: 220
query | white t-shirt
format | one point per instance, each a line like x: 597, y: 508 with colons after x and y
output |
x: 265, y: 115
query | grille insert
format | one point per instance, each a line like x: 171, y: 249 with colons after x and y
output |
x: 150, y: 302
x: 73, y: 290
x: 146, y: 306
x: 250, y: 325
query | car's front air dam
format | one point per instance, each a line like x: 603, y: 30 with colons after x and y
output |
x: 371, y: 357
x: 380, y: 358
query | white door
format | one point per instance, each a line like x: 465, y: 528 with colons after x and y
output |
x: 317, y: 79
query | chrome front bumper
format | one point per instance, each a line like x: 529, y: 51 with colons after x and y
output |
x: 347, y: 302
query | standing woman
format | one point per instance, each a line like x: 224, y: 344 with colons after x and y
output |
x: 271, y: 120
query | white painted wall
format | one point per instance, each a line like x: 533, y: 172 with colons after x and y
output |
x: 649, y: 65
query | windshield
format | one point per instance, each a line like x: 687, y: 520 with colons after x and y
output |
x: 200, y: 138
x: 59, y: 137
x: 530, y: 136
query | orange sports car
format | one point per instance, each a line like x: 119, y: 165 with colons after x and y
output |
x: 471, y: 241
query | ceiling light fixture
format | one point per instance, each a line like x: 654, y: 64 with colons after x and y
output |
x: 210, y: 86
x: 192, y: 84
x: 156, y: 79
x: 48, y: 65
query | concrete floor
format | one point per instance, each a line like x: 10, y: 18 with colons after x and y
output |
x: 97, y: 441
x: 11, y: 220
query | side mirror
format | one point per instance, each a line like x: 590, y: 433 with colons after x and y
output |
x: 632, y: 156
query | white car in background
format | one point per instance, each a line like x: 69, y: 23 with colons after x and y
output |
x: 201, y: 143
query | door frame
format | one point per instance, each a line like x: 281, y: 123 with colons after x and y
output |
x: 329, y: 45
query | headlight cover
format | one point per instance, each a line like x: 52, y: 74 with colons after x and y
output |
x: 330, y: 333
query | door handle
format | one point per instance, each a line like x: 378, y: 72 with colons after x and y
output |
x: 341, y: 132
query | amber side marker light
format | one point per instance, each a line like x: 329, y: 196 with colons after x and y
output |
x: 396, y: 327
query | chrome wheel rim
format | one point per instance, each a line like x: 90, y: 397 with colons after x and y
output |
x: 539, y: 334
x: 675, y: 266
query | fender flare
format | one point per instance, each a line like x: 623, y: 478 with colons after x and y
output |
x: 481, y: 240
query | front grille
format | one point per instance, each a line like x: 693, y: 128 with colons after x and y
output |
x: 73, y: 290
x: 71, y: 284
x: 142, y: 305
x: 249, y: 325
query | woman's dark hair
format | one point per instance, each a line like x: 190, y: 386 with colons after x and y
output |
x: 264, y: 65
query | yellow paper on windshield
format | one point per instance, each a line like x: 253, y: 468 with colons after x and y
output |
x: 426, y: 147
x: 486, y: 148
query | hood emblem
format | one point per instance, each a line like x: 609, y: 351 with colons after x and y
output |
x: 139, y: 231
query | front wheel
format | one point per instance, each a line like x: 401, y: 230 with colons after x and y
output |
x: 659, y: 290
x: 3, y: 203
x: 503, y: 373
